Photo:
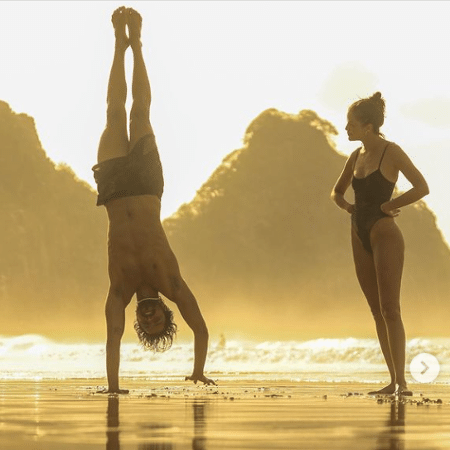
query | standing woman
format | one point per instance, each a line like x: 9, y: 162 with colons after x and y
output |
x: 378, y: 247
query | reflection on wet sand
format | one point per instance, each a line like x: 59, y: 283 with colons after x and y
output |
x: 113, y: 428
x: 55, y: 415
x: 155, y: 446
x: 393, y: 436
x: 112, y: 424
x: 199, y: 441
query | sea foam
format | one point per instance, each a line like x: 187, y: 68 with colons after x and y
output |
x: 35, y: 356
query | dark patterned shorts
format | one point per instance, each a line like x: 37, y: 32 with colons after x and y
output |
x: 137, y: 173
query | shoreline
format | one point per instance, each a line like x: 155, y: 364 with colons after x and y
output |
x: 157, y: 415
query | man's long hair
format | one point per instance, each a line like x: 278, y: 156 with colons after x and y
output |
x: 162, y: 341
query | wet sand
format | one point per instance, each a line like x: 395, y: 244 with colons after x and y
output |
x: 177, y: 415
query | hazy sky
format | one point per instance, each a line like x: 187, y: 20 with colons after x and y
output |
x: 214, y: 66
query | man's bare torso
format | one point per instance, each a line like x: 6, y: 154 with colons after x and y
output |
x: 136, y: 240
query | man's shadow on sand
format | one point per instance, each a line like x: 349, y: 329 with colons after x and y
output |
x: 113, y: 428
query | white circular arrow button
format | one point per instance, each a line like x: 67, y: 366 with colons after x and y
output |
x: 424, y: 368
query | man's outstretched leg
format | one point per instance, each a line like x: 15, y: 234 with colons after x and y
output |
x: 140, y: 109
x: 114, y: 143
x: 114, y: 140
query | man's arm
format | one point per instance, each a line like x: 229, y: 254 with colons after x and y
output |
x: 189, y: 309
x: 115, y: 325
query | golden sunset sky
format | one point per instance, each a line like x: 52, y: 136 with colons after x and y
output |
x: 215, y: 65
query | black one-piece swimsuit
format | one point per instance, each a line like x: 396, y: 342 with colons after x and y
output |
x: 370, y: 193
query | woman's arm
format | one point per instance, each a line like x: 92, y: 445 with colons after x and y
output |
x: 419, y: 185
x: 343, y: 183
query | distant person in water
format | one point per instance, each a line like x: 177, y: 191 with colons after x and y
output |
x: 378, y: 247
x: 130, y: 184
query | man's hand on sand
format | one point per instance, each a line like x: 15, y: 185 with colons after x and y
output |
x: 113, y: 391
x: 202, y: 378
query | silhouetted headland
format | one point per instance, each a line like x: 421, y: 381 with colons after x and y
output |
x: 261, y: 242
x: 261, y: 239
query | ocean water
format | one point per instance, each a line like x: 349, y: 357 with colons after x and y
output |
x: 354, y: 360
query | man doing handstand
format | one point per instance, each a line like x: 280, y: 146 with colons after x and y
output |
x: 130, y: 184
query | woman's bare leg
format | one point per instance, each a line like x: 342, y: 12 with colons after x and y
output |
x: 367, y: 277
x: 114, y: 140
x: 388, y: 252
x: 140, y: 109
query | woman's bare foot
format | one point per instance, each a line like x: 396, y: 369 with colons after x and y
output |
x: 119, y: 21
x: 388, y: 390
x: 403, y: 390
x: 134, y: 21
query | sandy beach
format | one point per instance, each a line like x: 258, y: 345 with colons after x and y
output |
x: 173, y: 414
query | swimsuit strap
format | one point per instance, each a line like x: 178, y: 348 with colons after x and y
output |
x: 382, y: 156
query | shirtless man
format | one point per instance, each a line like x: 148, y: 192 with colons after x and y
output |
x: 130, y: 185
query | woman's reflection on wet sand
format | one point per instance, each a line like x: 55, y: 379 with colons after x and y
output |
x: 392, y: 437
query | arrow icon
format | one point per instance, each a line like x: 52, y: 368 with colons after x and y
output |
x: 424, y: 368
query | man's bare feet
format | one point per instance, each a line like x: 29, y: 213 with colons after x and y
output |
x: 134, y: 22
x: 112, y: 391
x: 119, y: 21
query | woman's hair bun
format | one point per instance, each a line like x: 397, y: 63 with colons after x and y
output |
x: 376, y: 96
x: 370, y: 110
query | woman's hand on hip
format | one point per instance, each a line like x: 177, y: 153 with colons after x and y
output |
x: 350, y: 208
x: 385, y: 207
